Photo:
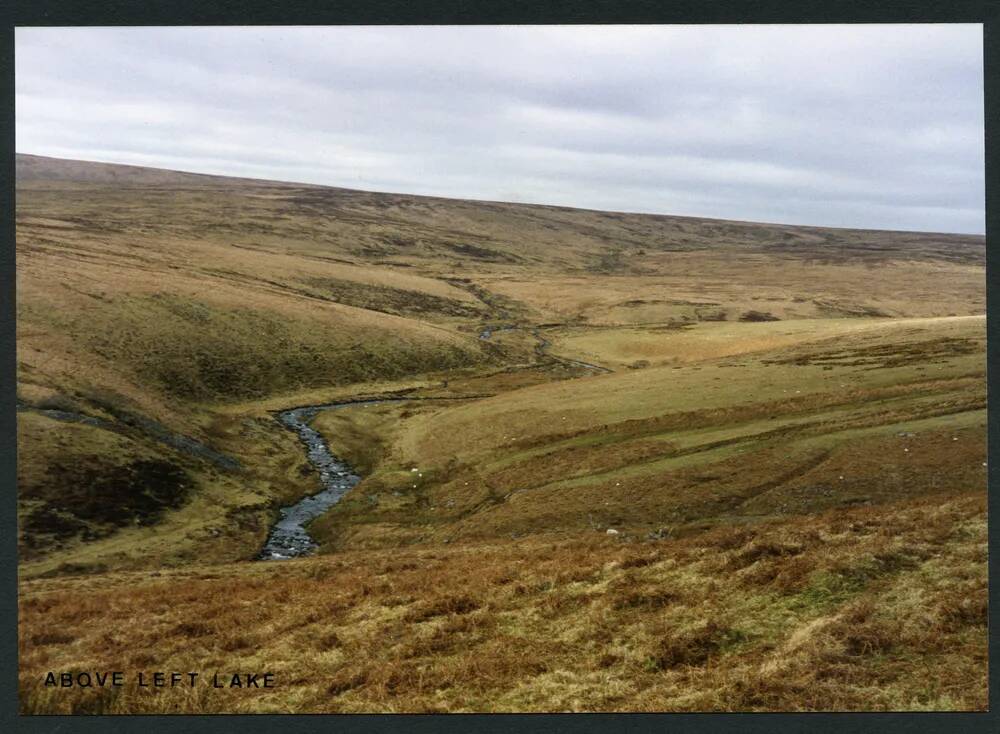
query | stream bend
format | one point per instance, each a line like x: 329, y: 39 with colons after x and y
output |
x: 288, y: 537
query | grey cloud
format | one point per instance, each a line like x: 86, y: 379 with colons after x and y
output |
x: 866, y: 126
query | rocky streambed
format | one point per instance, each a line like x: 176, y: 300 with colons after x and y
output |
x: 289, y: 537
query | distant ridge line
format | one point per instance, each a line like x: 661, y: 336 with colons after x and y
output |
x: 30, y: 167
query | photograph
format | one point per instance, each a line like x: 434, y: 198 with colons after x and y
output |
x: 389, y: 369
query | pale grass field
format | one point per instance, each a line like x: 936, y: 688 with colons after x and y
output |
x: 623, y: 347
x: 710, y: 285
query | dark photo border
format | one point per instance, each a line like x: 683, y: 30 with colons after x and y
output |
x: 471, y: 12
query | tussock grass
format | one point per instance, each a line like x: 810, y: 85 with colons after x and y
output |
x: 863, y: 609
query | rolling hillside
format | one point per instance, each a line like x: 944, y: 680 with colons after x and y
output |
x: 690, y: 464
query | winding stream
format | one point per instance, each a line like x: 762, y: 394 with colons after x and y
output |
x: 288, y: 537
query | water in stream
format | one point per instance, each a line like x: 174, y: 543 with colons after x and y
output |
x: 289, y: 537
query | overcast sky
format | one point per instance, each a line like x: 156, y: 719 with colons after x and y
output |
x: 853, y: 126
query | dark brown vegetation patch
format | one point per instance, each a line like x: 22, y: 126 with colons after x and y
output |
x: 93, y: 501
x: 481, y: 253
x: 887, y: 355
x: 756, y: 316
x: 388, y: 300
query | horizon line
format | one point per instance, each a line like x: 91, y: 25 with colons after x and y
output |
x: 500, y: 201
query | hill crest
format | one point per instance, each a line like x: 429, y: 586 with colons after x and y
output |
x: 37, y: 168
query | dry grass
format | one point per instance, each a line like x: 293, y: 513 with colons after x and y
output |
x: 791, y: 448
x: 716, y: 441
x: 717, y: 284
x: 863, y: 609
x: 631, y: 347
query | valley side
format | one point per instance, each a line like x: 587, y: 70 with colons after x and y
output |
x: 643, y: 463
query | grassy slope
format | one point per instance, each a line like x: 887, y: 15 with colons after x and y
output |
x: 719, y: 440
x: 129, y: 303
x: 857, y: 609
x: 802, y: 446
